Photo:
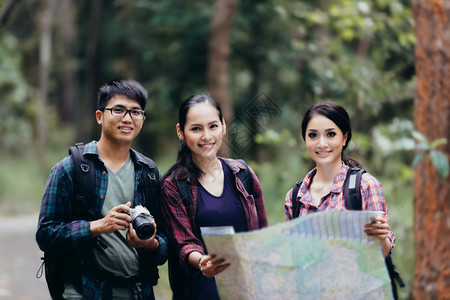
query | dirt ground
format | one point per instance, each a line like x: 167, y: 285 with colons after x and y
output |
x: 20, y: 259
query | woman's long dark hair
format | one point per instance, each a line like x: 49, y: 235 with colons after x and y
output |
x: 184, y: 163
x: 339, y: 116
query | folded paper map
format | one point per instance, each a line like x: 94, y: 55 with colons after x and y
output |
x: 325, y: 255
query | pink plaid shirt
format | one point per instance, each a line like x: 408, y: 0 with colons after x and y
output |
x: 371, y: 192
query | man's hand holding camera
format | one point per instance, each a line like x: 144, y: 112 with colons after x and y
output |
x: 134, y: 240
x: 116, y: 219
x: 122, y: 217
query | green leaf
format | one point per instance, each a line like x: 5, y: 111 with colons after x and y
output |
x: 420, y: 137
x: 423, y: 147
x: 440, y: 162
x: 419, y: 157
x: 438, y: 142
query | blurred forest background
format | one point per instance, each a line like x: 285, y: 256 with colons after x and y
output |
x: 265, y: 62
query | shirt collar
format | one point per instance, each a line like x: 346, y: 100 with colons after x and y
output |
x: 338, y: 183
x: 91, y: 149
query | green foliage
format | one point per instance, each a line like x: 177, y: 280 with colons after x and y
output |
x: 438, y: 158
x: 391, y: 150
x: 15, y: 111
x: 278, y: 178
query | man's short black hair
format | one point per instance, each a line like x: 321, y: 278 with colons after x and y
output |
x: 125, y: 87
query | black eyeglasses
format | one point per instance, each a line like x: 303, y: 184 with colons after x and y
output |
x: 120, y: 111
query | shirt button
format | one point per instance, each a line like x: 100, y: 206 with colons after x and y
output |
x: 101, y: 197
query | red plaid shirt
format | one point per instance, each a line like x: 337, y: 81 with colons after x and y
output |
x: 371, y: 193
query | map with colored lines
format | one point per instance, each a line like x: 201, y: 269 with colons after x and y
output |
x: 325, y: 255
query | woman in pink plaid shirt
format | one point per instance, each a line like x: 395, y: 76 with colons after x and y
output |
x: 327, y: 132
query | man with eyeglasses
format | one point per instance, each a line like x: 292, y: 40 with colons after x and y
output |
x: 104, y: 252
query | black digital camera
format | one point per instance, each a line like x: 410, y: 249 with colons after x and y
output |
x: 141, y: 220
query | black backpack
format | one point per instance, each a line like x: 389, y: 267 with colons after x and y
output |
x: 353, y: 201
x: 83, y: 193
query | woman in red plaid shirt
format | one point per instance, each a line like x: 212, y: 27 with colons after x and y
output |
x: 218, y: 198
x: 327, y: 132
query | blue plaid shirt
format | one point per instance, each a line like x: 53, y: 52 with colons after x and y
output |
x: 57, y: 231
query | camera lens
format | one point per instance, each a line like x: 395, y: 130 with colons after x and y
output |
x: 144, y: 229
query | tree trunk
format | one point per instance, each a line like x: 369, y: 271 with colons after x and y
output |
x: 45, y: 21
x: 219, y: 50
x: 6, y: 9
x: 87, y: 122
x: 431, y: 191
x: 66, y: 102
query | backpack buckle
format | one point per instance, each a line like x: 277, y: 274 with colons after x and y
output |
x: 84, y: 167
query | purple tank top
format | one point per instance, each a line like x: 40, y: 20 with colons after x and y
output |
x: 224, y: 210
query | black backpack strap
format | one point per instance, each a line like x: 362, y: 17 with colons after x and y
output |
x: 83, y: 182
x: 150, y: 179
x: 184, y: 189
x: 245, y: 176
x: 295, y: 201
x: 393, y: 275
x: 352, y: 188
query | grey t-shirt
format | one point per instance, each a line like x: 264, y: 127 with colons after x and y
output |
x: 115, y: 255
x: 118, y: 257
